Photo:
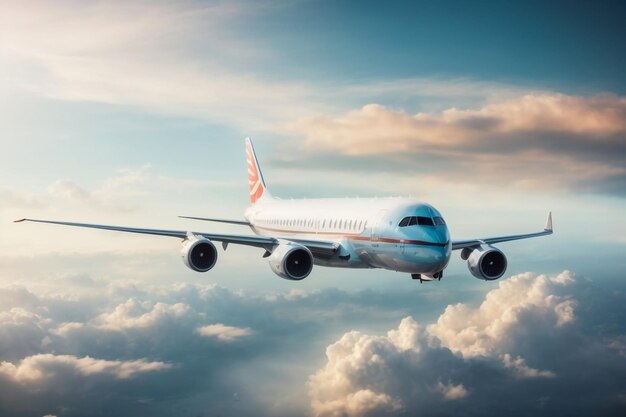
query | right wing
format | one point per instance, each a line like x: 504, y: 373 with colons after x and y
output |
x: 470, y: 243
x: 320, y: 248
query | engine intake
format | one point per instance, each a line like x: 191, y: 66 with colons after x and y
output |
x: 291, y: 261
x: 487, y: 263
x: 199, y: 253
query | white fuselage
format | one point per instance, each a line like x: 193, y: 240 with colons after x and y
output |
x: 368, y: 229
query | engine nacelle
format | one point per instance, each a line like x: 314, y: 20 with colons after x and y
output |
x: 199, y: 253
x: 487, y: 263
x: 291, y: 261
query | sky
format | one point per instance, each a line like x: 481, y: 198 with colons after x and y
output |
x: 134, y: 112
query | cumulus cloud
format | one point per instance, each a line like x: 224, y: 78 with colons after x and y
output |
x: 576, y: 140
x: 133, y: 314
x: 486, y: 331
x: 134, y: 348
x: 360, y: 403
x: 480, y: 353
x: 223, y: 333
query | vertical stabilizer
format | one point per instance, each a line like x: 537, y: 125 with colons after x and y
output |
x: 255, y: 176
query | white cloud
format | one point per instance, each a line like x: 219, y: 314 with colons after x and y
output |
x: 337, y: 388
x: 135, y: 314
x: 223, y: 333
x: 485, y: 331
x: 361, y: 403
x: 451, y: 391
x: 404, y: 371
x: 33, y: 369
x: 399, y: 369
x: 524, y: 371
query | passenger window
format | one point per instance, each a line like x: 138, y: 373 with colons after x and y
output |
x: 404, y: 222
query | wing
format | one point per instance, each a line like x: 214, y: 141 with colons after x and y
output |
x: 206, y: 219
x: 319, y: 248
x: 461, y: 244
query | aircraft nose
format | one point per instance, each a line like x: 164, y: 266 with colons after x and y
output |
x: 439, y: 234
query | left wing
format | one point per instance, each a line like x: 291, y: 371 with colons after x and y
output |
x: 206, y: 219
x: 470, y: 243
x: 321, y: 248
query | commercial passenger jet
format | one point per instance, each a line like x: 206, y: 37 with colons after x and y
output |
x: 399, y: 234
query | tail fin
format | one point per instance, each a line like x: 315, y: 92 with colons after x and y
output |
x: 255, y: 176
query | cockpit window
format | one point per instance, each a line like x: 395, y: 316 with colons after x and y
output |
x: 416, y: 220
x: 439, y: 221
x: 425, y: 221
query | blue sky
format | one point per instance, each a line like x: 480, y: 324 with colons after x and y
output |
x: 133, y: 113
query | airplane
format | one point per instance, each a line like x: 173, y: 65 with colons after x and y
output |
x: 398, y: 234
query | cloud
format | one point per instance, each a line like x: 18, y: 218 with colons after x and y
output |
x: 192, y: 59
x: 360, y: 403
x: 11, y: 199
x: 524, y: 371
x: 486, y: 331
x: 477, y: 358
x: 532, y: 141
x: 35, y: 368
x: 147, y: 55
x: 131, y: 315
x: 451, y: 391
x: 223, y: 333
x: 375, y: 129
x: 215, y: 341
x: 137, y: 347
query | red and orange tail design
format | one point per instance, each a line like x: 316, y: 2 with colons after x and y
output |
x: 255, y: 177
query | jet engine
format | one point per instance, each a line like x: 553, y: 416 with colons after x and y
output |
x: 199, y: 253
x: 486, y: 263
x: 291, y: 261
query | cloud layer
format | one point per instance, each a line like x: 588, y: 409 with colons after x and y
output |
x: 532, y: 141
x: 478, y: 358
x: 532, y: 344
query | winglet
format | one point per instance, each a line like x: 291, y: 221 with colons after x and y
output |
x: 549, y: 223
x: 19, y: 220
